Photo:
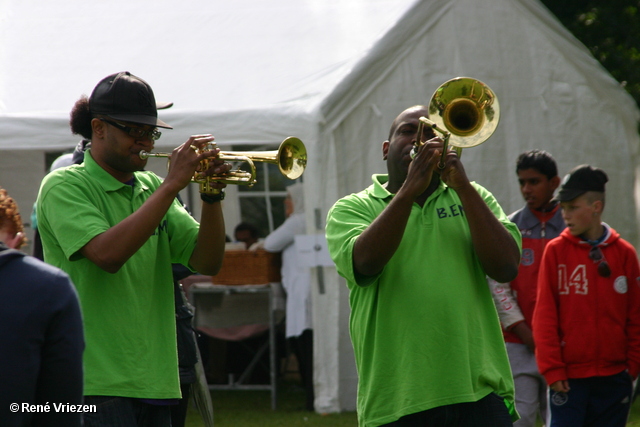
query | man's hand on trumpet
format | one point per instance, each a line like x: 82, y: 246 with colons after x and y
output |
x: 189, y: 158
x: 424, y: 164
x: 453, y: 173
x: 427, y: 161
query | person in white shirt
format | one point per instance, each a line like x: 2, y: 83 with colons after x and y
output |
x: 296, y: 282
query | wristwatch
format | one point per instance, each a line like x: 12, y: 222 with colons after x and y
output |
x: 212, y: 198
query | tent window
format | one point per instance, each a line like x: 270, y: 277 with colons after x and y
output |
x: 263, y: 204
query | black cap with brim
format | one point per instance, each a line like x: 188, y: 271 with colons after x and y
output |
x: 163, y: 105
x: 123, y: 96
x: 581, y: 179
x: 139, y: 119
x: 568, y: 195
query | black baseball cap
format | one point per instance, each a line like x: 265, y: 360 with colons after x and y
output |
x: 123, y: 96
x: 163, y: 105
x: 581, y: 179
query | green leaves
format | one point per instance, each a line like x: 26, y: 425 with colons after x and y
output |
x: 611, y: 31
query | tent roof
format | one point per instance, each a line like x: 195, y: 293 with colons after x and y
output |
x: 205, y: 56
x: 333, y: 73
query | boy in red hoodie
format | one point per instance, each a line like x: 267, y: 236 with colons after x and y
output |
x: 586, y: 323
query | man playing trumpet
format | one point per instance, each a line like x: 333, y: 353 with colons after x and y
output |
x: 414, y: 248
x: 116, y: 230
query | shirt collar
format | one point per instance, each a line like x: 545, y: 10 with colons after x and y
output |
x: 380, y: 190
x: 379, y: 186
x: 530, y: 220
x: 605, y: 236
x: 104, y: 178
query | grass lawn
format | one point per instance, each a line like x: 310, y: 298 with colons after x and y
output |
x: 248, y: 408
x: 253, y: 409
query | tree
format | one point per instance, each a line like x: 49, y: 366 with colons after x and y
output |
x: 610, y: 29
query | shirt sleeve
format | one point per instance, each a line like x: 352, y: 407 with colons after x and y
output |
x: 508, y: 309
x: 184, y: 233
x: 282, y: 236
x: 506, y: 304
x: 346, y: 220
x: 75, y: 227
x: 545, y: 322
x: 495, y: 207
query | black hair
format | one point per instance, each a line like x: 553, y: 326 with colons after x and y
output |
x: 245, y: 226
x: 540, y: 160
x: 80, y: 118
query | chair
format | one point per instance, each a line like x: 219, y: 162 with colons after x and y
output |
x: 237, y: 312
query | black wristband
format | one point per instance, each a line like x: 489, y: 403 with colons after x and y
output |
x: 212, y: 198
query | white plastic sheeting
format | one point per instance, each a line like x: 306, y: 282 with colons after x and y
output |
x: 208, y: 57
x: 335, y: 74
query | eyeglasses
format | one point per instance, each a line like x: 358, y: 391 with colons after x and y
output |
x: 137, y: 133
x: 596, y: 255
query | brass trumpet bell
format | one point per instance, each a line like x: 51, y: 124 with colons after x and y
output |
x: 291, y: 158
x: 467, y: 108
x: 465, y: 111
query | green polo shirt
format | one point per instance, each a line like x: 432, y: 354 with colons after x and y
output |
x: 425, y: 330
x: 129, y: 316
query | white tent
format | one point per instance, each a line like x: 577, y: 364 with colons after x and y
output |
x: 335, y: 74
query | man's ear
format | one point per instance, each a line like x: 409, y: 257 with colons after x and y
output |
x: 98, y: 128
x: 385, y: 150
x: 555, y: 182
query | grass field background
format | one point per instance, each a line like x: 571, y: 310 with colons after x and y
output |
x: 253, y: 409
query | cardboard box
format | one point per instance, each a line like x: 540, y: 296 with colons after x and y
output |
x: 241, y: 267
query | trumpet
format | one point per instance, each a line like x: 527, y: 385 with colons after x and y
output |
x: 291, y: 158
x: 465, y: 111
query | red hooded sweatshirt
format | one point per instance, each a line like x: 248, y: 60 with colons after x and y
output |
x: 586, y: 325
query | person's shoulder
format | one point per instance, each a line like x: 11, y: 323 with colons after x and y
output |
x: 518, y: 214
x: 48, y: 288
x: 354, y: 201
x: 364, y: 194
x: 148, y: 178
x: 351, y: 197
x: 619, y: 240
x: 39, y: 272
x: 69, y: 174
x: 564, y: 240
x: 299, y: 220
x: 482, y: 190
x: 478, y: 187
x: 29, y: 264
x: 55, y: 190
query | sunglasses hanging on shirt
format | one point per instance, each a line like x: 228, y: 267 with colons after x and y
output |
x: 596, y: 255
